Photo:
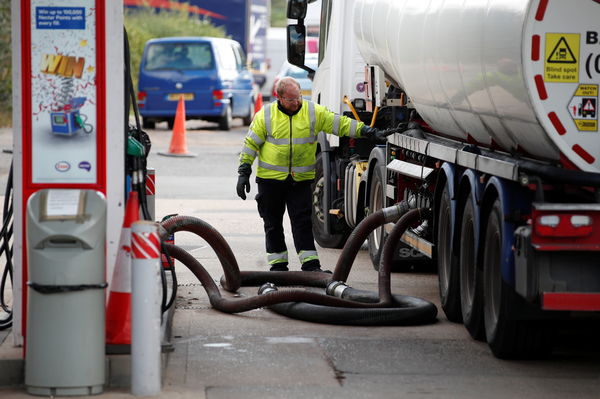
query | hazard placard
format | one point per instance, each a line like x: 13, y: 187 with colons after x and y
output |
x: 583, y: 108
x: 561, y: 63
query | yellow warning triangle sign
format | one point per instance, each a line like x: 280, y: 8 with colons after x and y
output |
x: 562, y: 53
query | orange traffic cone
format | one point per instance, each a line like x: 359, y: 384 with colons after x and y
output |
x: 178, y: 146
x: 118, y: 311
x: 258, y: 104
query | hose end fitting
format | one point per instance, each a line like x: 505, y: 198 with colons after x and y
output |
x: 392, y: 213
x: 336, y: 288
x: 266, y: 288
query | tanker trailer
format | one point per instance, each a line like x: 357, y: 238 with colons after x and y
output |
x: 496, y: 106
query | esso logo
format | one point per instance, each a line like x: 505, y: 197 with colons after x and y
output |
x: 62, y: 166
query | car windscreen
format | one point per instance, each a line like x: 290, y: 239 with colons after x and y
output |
x: 169, y: 56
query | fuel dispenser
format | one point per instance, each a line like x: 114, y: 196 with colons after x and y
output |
x: 68, y: 123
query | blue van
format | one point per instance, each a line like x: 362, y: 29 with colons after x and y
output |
x: 209, y: 72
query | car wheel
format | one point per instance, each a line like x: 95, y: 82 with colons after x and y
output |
x: 226, y: 119
x: 247, y: 120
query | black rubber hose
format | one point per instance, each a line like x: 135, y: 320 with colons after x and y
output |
x: 360, y: 234
x: 231, y: 269
x: 389, y: 248
x: 236, y: 305
x: 392, y: 309
x: 350, y: 310
x: 404, y: 311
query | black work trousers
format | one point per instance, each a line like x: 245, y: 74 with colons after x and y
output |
x: 273, y: 197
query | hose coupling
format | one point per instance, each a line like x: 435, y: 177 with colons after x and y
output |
x: 394, y: 212
x: 421, y: 229
x: 336, y: 288
x: 266, y: 288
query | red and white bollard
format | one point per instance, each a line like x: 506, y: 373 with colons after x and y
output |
x: 145, y: 309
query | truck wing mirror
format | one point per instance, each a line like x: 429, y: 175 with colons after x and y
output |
x: 296, y: 46
x: 297, y: 9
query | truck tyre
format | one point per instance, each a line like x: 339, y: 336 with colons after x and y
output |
x: 376, y: 202
x: 508, y: 338
x: 448, y: 266
x: 226, y: 119
x: 339, y: 229
x: 148, y: 124
x: 471, y: 294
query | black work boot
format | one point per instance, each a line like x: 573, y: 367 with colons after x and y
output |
x: 279, y: 267
x: 313, y: 266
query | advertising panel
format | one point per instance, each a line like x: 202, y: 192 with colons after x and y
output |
x: 63, y: 91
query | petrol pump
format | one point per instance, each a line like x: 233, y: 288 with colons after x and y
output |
x: 68, y: 118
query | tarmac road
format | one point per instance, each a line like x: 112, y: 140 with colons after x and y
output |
x: 259, y: 354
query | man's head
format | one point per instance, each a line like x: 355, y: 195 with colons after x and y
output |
x: 289, y: 94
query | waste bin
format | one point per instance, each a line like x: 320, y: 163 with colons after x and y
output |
x: 65, y: 350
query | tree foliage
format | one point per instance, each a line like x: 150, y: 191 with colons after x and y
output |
x: 278, y: 12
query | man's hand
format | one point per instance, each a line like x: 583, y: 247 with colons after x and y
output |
x: 243, y: 183
x: 374, y: 135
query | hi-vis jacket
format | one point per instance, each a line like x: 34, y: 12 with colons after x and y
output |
x: 286, y: 145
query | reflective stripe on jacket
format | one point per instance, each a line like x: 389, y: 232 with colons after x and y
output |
x: 287, y: 144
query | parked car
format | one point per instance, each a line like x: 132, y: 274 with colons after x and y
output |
x: 299, y: 74
x: 210, y: 73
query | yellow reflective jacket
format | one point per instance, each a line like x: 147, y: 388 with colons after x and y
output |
x: 286, y: 145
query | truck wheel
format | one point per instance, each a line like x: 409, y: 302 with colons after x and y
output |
x: 339, y: 228
x: 226, y: 120
x: 376, y: 202
x: 471, y: 295
x: 507, y: 338
x: 448, y: 267
x: 148, y: 124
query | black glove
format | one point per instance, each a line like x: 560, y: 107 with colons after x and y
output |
x: 243, y: 182
x: 374, y: 135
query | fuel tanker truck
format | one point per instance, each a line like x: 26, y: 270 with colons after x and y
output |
x: 494, y: 108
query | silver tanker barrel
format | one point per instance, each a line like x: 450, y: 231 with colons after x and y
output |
x: 521, y: 75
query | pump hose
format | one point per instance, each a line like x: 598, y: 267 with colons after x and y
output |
x: 356, y: 307
x: 392, y: 309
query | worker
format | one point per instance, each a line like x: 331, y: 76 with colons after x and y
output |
x: 283, y: 135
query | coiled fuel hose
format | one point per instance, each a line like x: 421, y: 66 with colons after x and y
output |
x: 336, y: 304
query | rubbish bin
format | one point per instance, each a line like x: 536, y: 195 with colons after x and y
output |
x: 65, y: 350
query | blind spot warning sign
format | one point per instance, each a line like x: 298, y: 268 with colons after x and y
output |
x: 562, y: 57
x: 583, y: 108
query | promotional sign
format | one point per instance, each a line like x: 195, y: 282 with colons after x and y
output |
x: 63, y: 91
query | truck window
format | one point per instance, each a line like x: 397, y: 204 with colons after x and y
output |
x: 169, y: 56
